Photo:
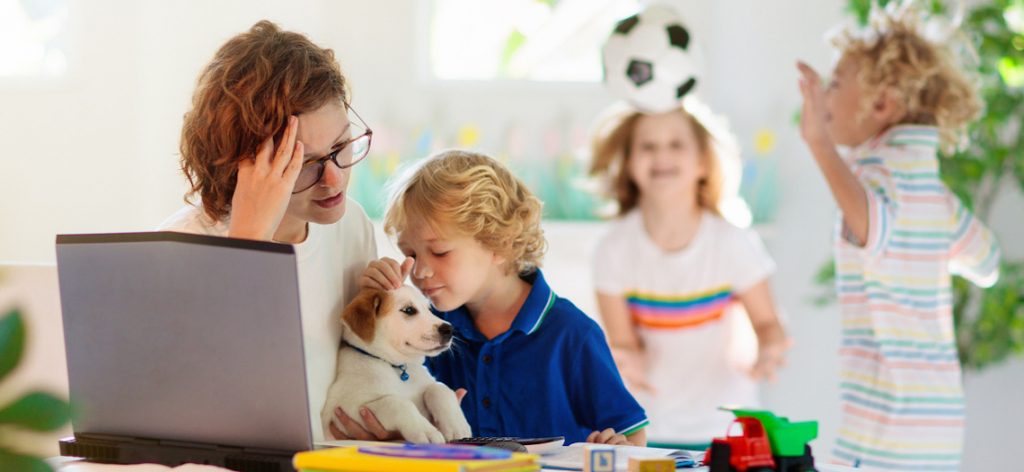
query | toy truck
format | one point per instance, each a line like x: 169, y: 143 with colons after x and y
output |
x: 767, y: 443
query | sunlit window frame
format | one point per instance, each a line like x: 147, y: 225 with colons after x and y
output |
x: 425, y: 73
x: 41, y: 78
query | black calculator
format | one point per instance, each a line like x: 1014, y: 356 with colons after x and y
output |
x: 533, y: 445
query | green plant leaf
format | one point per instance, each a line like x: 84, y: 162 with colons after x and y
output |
x: 860, y: 9
x: 1018, y: 167
x: 826, y: 273
x: 997, y: 331
x: 515, y: 40
x: 16, y: 462
x: 37, y: 411
x: 1014, y: 16
x: 12, y: 341
x: 1011, y: 71
x: 826, y: 279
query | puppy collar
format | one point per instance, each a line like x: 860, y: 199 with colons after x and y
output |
x: 403, y: 375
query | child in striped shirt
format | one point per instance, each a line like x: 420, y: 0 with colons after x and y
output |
x: 894, y: 99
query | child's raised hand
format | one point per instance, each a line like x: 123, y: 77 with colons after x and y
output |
x: 386, y: 273
x: 813, y: 114
x: 607, y: 436
x: 770, y: 358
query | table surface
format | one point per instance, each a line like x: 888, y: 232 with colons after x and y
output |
x: 66, y: 464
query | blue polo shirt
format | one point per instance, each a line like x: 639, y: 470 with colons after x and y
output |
x: 550, y: 374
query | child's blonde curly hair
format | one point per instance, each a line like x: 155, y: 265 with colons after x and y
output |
x: 469, y: 194
x: 892, y: 53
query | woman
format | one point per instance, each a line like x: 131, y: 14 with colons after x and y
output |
x: 268, y: 146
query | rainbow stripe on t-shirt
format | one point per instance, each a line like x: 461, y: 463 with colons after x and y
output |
x: 656, y: 311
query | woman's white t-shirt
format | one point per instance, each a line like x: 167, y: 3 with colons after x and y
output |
x: 683, y: 305
x: 330, y: 262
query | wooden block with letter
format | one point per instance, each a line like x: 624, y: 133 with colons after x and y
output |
x: 598, y: 458
x: 660, y: 464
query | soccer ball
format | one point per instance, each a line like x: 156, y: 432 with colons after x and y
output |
x: 650, y: 60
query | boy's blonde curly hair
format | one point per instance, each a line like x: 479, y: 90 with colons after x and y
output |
x: 462, y: 193
x: 893, y: 53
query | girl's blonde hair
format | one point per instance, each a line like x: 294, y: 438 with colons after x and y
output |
x: 719, y: 154
x: 462, y: 193
x: 892, y: 53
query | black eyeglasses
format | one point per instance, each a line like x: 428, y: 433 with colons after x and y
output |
x: 348, y: 154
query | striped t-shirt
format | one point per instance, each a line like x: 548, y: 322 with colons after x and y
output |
x: 902, y: 401
x: 683, y: 305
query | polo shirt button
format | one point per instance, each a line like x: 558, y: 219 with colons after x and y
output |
x: 487, y: 359
x: 486, y: 402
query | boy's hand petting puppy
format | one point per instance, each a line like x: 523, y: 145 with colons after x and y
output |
x: 386, y: 273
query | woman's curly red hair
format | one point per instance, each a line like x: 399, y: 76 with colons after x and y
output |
x: 246, y: 93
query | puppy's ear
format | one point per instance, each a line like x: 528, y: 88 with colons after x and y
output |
x: 361, y: 314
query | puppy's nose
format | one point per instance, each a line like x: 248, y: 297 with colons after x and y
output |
x: 445, y: 331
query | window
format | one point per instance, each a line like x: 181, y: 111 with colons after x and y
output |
x: 32, y: 38
x: 537, y: 40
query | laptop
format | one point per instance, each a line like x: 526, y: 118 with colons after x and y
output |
x: 183, y: 348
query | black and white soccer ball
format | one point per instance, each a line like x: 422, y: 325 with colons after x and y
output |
x: 651, y: 60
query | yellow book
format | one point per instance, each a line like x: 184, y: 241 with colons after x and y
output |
x: 414, y: 458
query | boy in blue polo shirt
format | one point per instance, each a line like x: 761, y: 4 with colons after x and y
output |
x: 533, y: 364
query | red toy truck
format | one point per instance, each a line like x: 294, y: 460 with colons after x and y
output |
x: 748, y: 451
x: 768, y: 443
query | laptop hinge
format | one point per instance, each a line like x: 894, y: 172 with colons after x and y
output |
x: 116, y: 449
x: 192, y: 445
x: 113, y: 438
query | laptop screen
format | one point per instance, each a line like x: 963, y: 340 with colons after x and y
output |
x: 183, y: 337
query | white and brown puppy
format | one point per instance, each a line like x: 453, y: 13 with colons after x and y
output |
x: 387, y: 335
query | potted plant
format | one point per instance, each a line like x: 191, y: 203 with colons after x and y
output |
x: 33, y: 411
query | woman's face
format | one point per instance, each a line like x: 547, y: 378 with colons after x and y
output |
x: 322, y: 131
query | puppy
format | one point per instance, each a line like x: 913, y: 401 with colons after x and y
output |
x: 387, y: 336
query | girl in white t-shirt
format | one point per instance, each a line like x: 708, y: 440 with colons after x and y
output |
x: 671, y: 275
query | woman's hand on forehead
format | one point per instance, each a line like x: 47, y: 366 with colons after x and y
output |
x: 264, y: 186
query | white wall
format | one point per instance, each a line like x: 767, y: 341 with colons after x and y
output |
x: 96, y: 151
